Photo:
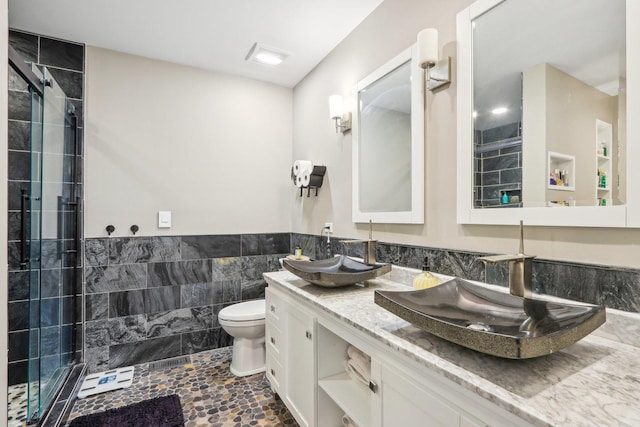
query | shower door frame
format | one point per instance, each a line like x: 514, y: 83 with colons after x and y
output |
x: 67, y: 201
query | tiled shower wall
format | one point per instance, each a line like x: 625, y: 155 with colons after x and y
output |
x: 603, y: 285
x: 152, y: 298
x: 500, y: 169
x: 66, y: 63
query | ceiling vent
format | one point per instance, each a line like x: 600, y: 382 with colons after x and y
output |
x: 266, y: 55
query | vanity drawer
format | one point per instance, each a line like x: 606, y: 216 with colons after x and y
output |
x: 274, y: 307
x: 275, y: 372
x: 273, y: 337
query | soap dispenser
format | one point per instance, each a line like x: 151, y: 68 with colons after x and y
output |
x: 425, y: 279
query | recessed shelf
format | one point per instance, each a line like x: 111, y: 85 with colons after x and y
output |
x: 561, y: 187
x: 560, y: 167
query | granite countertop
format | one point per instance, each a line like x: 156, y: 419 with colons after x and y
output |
x: 595, y: 381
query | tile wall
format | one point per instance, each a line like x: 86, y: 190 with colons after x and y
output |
x: 152, y: 298
x: 66, y: 63
x: 612, y: 287
x: 498, y: 170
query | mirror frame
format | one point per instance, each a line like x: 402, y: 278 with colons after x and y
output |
x: 627, y: 215
x: 416, y: 214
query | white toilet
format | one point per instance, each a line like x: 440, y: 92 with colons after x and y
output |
x: 245, y: 323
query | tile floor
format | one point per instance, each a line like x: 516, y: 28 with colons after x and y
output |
x: 211, y: 396
x: 17, y: 399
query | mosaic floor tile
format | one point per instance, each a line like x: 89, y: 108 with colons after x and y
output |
x: 210, y: 395
x: 17, y: 399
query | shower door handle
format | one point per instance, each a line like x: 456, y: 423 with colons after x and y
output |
x: 24, y: 256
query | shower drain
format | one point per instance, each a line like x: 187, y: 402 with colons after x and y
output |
x: 169, y: 363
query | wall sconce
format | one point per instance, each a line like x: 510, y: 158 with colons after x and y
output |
x: 343, y: 120
x: 437, y: 72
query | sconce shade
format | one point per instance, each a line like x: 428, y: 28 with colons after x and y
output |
x: 335, y: 106
x: 427, y: 47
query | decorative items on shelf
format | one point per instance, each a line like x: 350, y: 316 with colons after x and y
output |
x: 602, y: 178
x: 559, y: 177
x: 305, y: 175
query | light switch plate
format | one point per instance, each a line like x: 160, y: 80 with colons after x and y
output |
x: 164, y: 219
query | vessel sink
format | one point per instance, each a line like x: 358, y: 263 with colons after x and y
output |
x: 491, y: 321
x: 337, y: 271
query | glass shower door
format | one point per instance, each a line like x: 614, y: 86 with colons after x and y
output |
x: 53, y: 247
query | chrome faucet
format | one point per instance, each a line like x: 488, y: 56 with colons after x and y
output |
x: 520, y: 269
x: 369, y: 246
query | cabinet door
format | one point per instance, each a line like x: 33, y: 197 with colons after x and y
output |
x: 300, y: 363
x: 407, y: 403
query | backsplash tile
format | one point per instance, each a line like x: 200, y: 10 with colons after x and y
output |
x: 612, y: 287
x: 127, y: 250
x: 265, y: 244
x: 115, y: 278
x: 161, y: 299
x: 144, y: 351
x: 196, y: 295
x: 179, y: 272
x: 201, y: 247
x: 97, y: 306
x: 306, y: 242
x: 179, y: 321
x: 126, y: 303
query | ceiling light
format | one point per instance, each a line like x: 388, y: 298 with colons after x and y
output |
x: 499, y: 110
x: 267, y: 55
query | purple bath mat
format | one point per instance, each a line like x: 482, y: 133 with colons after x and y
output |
x: 163, y: 411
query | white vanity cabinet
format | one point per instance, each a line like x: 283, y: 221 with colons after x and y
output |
x: 289, y: 332
x: 312, y: 351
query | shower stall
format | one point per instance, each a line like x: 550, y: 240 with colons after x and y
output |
x: 50, y: 237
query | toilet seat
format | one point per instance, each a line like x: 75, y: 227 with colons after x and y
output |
x: 243, y: 312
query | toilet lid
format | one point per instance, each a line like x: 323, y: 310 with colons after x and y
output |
x: 250, y: 310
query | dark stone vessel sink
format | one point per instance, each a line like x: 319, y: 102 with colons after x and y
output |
x: 337, y: 271
x: 493, y: 322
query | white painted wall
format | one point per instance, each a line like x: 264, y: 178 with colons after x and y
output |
x: 387, y: 31
x: 212, y: 148
x: 4, y: 321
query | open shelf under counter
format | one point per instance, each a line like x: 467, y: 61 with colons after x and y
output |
x: 351, y: 397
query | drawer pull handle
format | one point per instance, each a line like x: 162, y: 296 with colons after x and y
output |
x: 308, y: 335
x: 273, y: 340
x: 373, y: 387
x: 273, y: 372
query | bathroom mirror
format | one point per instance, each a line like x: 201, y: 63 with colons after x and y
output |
x: 543, y: 100
x: 388, y: 143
